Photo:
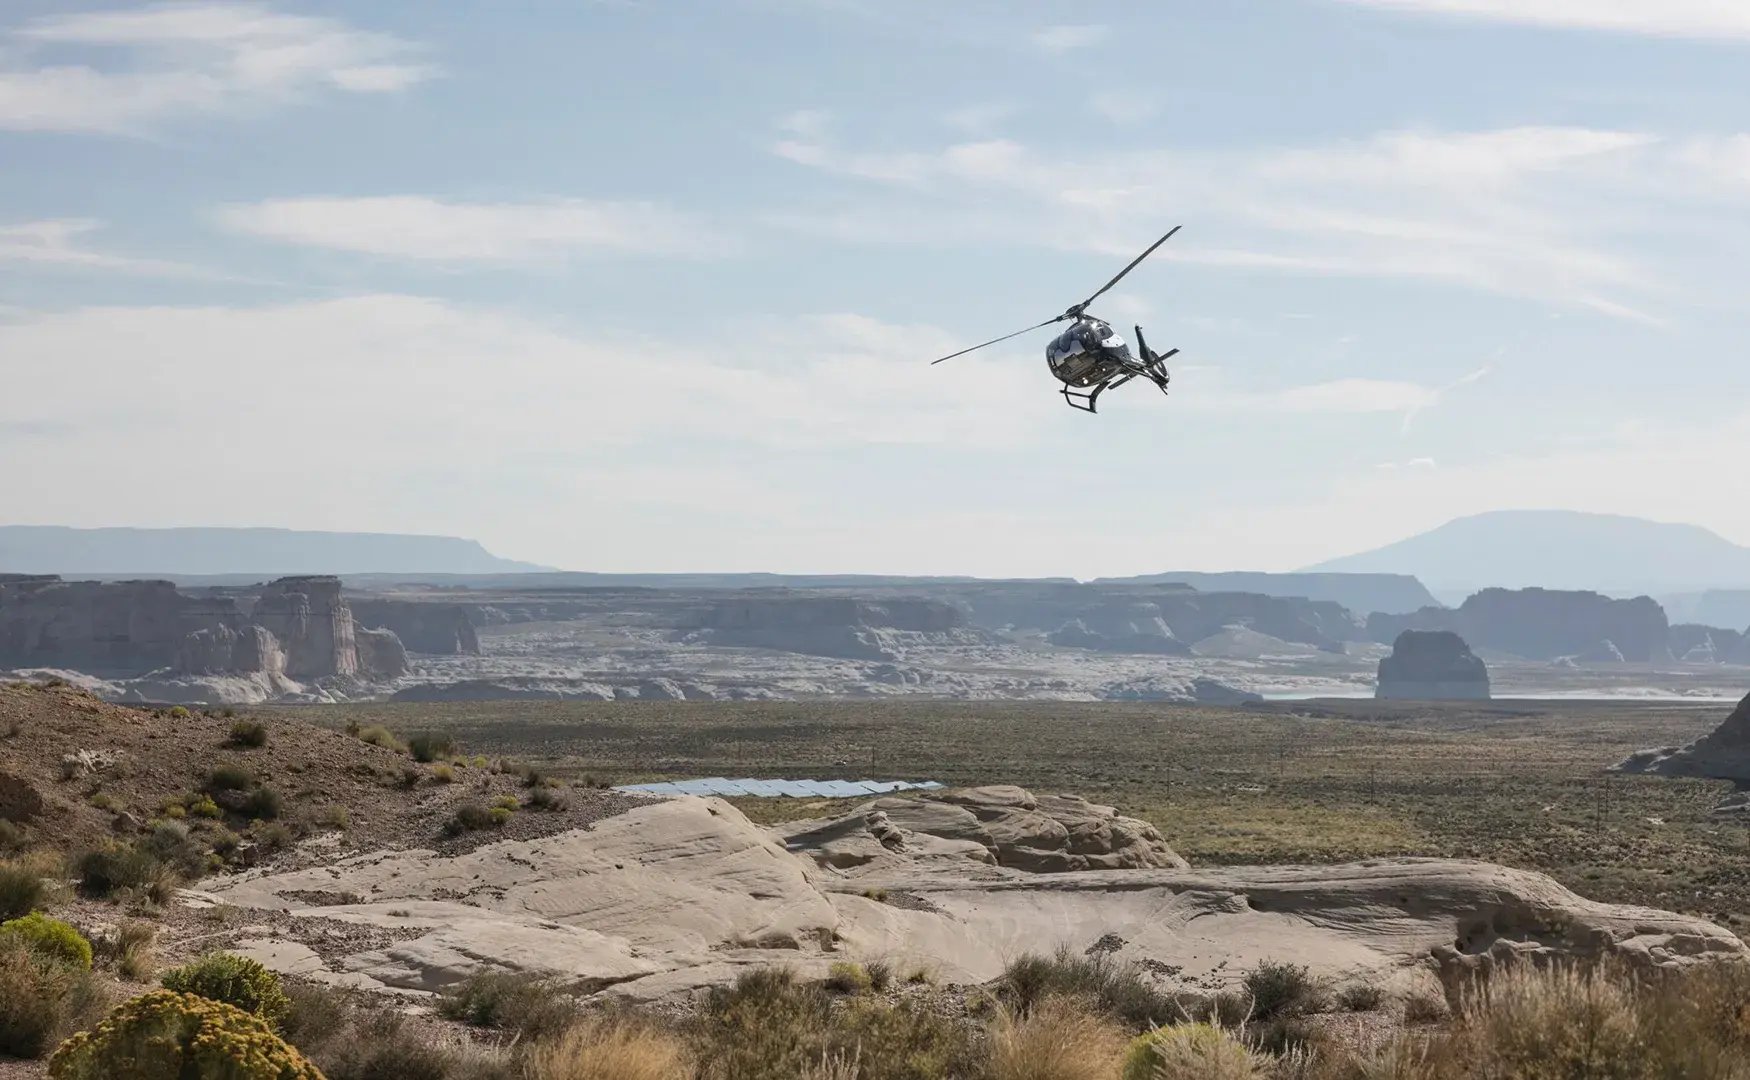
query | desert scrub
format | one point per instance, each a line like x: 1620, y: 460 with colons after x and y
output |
x: 22, y: 887
x: 51, y: 939
x: 1190, y: 1052
x: 847, y: 977
x: 377, y: 735
x: 131, y: 948
x: 427, y: 747
x: 1059, y: 1040
x: 178, y: 712
x: 1119, y: 990
x: 228, y: 778
x: 203, y: 806
x: 39, y: 998
x: 528, y: 1005
x: 263, y: 804
x: 546, y: 798
x: 471, y: 816
x: 235, y: 980
x: 247, y: 735
x: 443, y: 774
x: 1361, y: 997
x: 1282, y: 990
x: 610, y: 1050
x: 165, y: 1035
x: 112, y: 868
x: 334, y: 817
x: 506, y: 802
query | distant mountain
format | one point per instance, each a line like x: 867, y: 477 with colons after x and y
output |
x: 56, y: 549
x: 1395, y: 594
x: 1560, y: 549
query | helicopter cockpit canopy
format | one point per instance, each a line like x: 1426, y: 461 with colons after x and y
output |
x: 1087, y: 353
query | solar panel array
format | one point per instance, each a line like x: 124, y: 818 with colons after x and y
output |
x: 791, y: 789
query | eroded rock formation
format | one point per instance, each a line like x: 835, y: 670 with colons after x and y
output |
x: 1432, y: 665
x: 1723, y: 754
x: 686, y: 893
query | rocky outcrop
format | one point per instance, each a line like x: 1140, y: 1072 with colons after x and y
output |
x: 1542, y: 624
x: 831, y: 626
x: 1000, y: 825
x: 431, y: 628
x: 686, y: 893
x: 1187, y: 614
x: 1723, y: 754
x: 1432, y: 665
x: 223, y: 650
x: 1197, y: 690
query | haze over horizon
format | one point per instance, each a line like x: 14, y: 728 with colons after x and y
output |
x: 604, y: 296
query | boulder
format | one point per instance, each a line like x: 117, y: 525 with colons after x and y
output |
x: 1432, y: 665
x: 380, y: 654
x: 1722, y: 754
x: 1001, y: 825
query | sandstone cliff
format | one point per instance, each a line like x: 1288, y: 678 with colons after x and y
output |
x: 436, y: 629
x: 831, y: 626
x: 1543, y: 624
x: 1723, y: 754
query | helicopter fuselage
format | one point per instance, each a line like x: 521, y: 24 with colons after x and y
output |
x: 1089, y: 353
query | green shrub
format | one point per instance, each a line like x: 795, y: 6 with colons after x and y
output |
x: 428, y: 747
x: 377, y: 735
x: 51, y: 938
x: 468, y: 817
x: 1362, y: 997
x: 848, y: 978
x: 334, y: 817
x: 1190, y: 1052
x: 545, y: 798
x: 443, y: 774
x: 165, y: 1035
x: 248, y: 734
x: 505, y: 802
x: 880, y: 974
x: 528, y: 1005
x: 178, y: 712
x: 106, y: 870
x: 203, y: 806
x: 264, y: 804
x: 22, y: 888
x: 102, y: 800
x: 272, y: 837
x: 1281, y: 990
x: 1118, y: 990
x: 234, y: 980
x: 229, y: 778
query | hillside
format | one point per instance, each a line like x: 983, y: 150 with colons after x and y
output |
x: 1559, y: 549
x: 57, y: 549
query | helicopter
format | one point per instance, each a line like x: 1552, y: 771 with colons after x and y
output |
x: 1090, y: 357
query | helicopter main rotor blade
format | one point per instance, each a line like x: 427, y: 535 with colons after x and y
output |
x: 994, y: 341
x: 1133, y: 265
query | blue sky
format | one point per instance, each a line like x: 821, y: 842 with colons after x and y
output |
x: 654, y: 286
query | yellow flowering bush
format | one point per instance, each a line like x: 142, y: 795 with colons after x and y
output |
x: 165, y: 1035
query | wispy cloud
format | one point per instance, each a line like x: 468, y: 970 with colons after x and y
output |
x: 1063, y: 38
x: 1124, y: 107
x: 174, y: 59
x: 1665, y: 18
x: 1543, y: 213
x: 421, y: 228
x: 59, y: 242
